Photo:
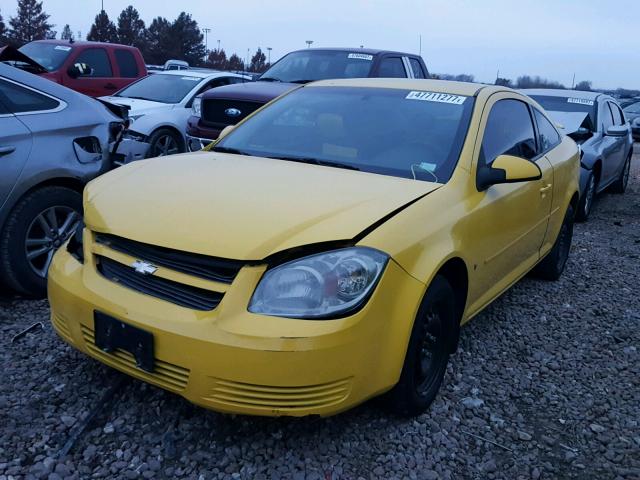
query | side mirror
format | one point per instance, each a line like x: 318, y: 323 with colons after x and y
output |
x: 617, y: 131
x: 79, y: 69
x: 225, y: 131
x: 507, y: 169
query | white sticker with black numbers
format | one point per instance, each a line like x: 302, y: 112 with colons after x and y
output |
x: 360, y: 56
x: 62, y: 47
x: 436, y: 97
x: 580, y: 101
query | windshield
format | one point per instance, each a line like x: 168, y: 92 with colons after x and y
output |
x: 161, y: 88
x: 633, y: 108
x: 306, y: 66
x: 410, y: 134
x: 569, y: 104
x: 49, y: 55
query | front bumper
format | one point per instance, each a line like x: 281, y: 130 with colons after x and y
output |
x: 231, y: 360
x: 131, y: 149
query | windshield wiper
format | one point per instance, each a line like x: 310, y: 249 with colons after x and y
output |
x: 315, y: 161
x: 301, y: 81
x: 269, y: 79
x: 234, y: 151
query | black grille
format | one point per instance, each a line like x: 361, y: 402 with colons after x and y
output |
x: 174, y: 292
x: 203, y: 266
x: 213, y: 111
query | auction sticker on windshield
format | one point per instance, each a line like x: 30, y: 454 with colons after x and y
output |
x: 436, y: 97
x: 361, y: 56
x: 581, y: 101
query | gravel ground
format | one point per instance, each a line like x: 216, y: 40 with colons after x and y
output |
x: 545, y: 385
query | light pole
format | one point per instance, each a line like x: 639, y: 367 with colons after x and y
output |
x: 206, y: 38
x: 308, y: 42
x: 246, y: 65
x: 269, y: 59
x: 218, y: 46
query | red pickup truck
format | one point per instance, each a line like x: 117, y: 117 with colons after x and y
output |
x: 93, y: 68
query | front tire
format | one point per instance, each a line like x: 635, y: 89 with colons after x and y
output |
x: 552, y: 266
x: 586, y: 202
x: 620, y: 185
x: 36, y: 227
x: 428, y: 352
x: 164, y: 142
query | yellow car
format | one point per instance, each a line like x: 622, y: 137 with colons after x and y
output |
x: 324, y: 251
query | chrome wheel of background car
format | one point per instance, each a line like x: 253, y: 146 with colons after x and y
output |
x: 165, y: 145
x: 46, y: 233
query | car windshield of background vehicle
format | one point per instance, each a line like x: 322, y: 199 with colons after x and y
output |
x: 633, y: 108
x: 403, y: 133
x: 49, y: 55
x: 161, y: 88
x: 568, y: 104
x: 302, y: 67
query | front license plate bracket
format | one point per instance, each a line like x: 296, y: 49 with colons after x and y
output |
x: 112, y: 334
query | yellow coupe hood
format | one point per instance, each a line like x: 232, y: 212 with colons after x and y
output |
x: 241, y: 207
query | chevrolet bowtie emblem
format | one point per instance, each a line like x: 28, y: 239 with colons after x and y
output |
x: 144, y: 268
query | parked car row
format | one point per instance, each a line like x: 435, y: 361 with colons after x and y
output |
x: 327, y: 244
x: 597, y: 123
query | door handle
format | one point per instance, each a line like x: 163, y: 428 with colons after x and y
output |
x: 110, y: 86
x: 7, y: 150
x: 545, y: 188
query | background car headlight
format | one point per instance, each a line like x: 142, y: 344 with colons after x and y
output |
x: 326, y: 285
x: 196, y: 106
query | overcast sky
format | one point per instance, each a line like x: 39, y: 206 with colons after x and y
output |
x: 595, y: 39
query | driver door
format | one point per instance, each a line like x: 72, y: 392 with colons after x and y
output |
x: 510, y: 219
x: 99, y: 80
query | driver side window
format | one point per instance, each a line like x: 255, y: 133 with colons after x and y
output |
x: 509, y: 131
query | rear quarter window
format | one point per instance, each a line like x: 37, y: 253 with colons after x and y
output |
x: 418, y: 71
x: 18, y: 99
x: 392, y: 67
x: 126, y: 63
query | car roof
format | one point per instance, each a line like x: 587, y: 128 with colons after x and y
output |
x: 368, y: 51
x: 439, y: 86
x: 558, y: 92
x: 198, y: 73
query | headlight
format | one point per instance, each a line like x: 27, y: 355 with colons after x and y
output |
x: 196, y: 106
x: 325, y: 285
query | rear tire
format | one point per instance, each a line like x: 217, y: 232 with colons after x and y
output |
x: 428, y: 352
x: 586, y: 202
x: 620, y: 185
x: 552, y: 266
x: 36, y: 227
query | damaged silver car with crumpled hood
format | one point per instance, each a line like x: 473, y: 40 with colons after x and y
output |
x: 597, y: 123
x: 52, y: 142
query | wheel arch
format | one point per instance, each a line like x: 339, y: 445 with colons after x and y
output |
x: 71, y: 183
x: 455, y: 271
x: 181, y: 135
